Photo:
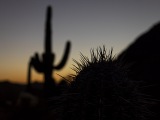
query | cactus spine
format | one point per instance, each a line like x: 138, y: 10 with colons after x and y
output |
x: 101, y: 90
x: 45, y: 65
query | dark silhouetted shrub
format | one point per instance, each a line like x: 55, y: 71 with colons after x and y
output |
x: 101, y: 90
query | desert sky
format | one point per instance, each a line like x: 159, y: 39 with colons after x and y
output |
x: 86, y: 23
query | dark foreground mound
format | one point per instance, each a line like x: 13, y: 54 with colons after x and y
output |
x: 101, y: 90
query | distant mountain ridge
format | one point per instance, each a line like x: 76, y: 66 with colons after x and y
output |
x: 143, y: 58
x: 144, y: 55
x: 147, y: 44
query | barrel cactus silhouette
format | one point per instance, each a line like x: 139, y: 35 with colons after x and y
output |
x: 101, y: 90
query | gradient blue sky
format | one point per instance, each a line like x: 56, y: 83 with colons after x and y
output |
x: 86, y: 23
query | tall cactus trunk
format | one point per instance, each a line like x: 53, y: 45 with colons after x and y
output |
x: 49, y: 84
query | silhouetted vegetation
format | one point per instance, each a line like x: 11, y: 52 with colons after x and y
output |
x: 45, y: 65
x: 101, y: 90
x: 104, y: 87
x: 33, y: 103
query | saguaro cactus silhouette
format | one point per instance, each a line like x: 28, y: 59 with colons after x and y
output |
x: 45, y: 65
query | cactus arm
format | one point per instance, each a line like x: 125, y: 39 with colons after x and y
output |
x: 29, y: 76
x: 36, y: 63
x: 65, y: 57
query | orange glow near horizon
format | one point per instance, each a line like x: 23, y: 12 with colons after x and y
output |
x: 19, y: 75
x: 22, y: 31
x: 15, y: 70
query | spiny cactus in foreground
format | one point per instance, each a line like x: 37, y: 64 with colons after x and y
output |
x: 101, y: 90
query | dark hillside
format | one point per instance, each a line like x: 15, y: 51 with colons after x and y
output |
x: 143, y: 58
